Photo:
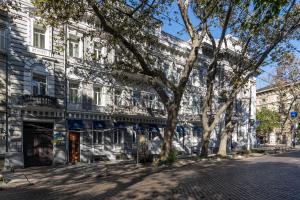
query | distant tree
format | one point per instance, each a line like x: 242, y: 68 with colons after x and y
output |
x: 268, y: 121
x: 286, y: 83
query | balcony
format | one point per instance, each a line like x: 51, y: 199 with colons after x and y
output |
x: 39, y: 100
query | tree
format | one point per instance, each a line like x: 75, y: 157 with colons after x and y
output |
x: 287, y: 89
x: 268, y: 121
x: 128, y: 28
x: 227, y: 131
x: 252, y: 33
x: 256, y: 27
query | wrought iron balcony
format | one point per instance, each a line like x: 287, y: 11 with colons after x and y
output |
x: 40, y: 100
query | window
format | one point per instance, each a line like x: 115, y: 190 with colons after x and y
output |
x: 194, y: 77
x: 74, y: 47
x: 197, y: 132
x: 152, y: 101
x: 39, y: 32
x: 202, y: 74
x: 3, y: 38
x: 118, y: 97
x: 118, y: 136
x: 39, y: 85
x: 178, y: 74
x: 166, y: 69
x: 97, y: 52
x: 98, y: 137
x: 73, y: 93
x: 134, y: 137
x: 136, y: 97
x: 97, y: 96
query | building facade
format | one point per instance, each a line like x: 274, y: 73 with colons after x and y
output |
x: 54, y: 116
x: 282, y: 100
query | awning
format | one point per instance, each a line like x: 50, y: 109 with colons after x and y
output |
x: 98, y: 124
x: 180, y: 129
x: 120, y: 125
x: 138, y: 127
x: 197, y: 129
x: 153, y: 128
x: 75, y: 124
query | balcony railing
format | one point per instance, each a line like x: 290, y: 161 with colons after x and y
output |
x: 40, y: 100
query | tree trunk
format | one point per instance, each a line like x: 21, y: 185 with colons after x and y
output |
x: 205, y: 143
x: 226, y: 132
x: 223, y: 144
x: 169, y: 131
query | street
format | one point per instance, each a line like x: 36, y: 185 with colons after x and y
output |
x: 266, y: 177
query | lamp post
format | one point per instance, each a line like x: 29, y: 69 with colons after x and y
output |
x: 234, y: 120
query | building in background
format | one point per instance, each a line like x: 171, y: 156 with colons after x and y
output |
x: 283, y: 100
x: 56, y: 116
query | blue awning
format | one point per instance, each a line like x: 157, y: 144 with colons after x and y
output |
x: 197, y: 129
x: 180, y: 129
x: 120, y: 125
x: 138, y: 127
x: 153, y: 128
x: 75, y: 124
x: 98, y: 124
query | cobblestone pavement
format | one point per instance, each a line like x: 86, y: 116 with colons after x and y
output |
x: 267, y: 177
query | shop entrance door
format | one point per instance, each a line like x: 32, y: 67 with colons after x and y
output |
x: 37, y: 145
x: 74, y: 147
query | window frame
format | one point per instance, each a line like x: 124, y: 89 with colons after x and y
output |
x: 71, y: 98
x: 72, y: 42
x: 98, y: 95
x: 3, y: 35
x: 38, y: 85
x: 40, y: 31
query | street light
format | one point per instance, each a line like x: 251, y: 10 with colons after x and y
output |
x: 234, y: 120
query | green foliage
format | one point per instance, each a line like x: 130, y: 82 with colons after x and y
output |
x: 257, y: 151
x: 268, y: 120
x: 172, y: 157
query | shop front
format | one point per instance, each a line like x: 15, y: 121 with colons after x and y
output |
x: 37, y: 143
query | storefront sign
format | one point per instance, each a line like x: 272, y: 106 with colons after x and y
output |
x: 59, y: 137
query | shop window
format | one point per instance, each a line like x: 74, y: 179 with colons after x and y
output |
x: 118, y: 136
x: 39, y: 84
x: 98, y: 137
x: 39, y: 32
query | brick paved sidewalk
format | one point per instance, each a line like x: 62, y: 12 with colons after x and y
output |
x: 267, y: 177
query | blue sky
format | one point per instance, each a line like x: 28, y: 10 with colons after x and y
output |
x: 175, y: 28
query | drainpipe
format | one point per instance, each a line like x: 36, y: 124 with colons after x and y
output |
x: 7, y: 57
x: 249, y: 121
x: 66, y: 91
x: 6, y: 103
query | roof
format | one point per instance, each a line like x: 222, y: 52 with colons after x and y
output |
x: 271, y: 87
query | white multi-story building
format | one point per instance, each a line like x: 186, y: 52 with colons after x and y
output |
x: 55, y: 116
